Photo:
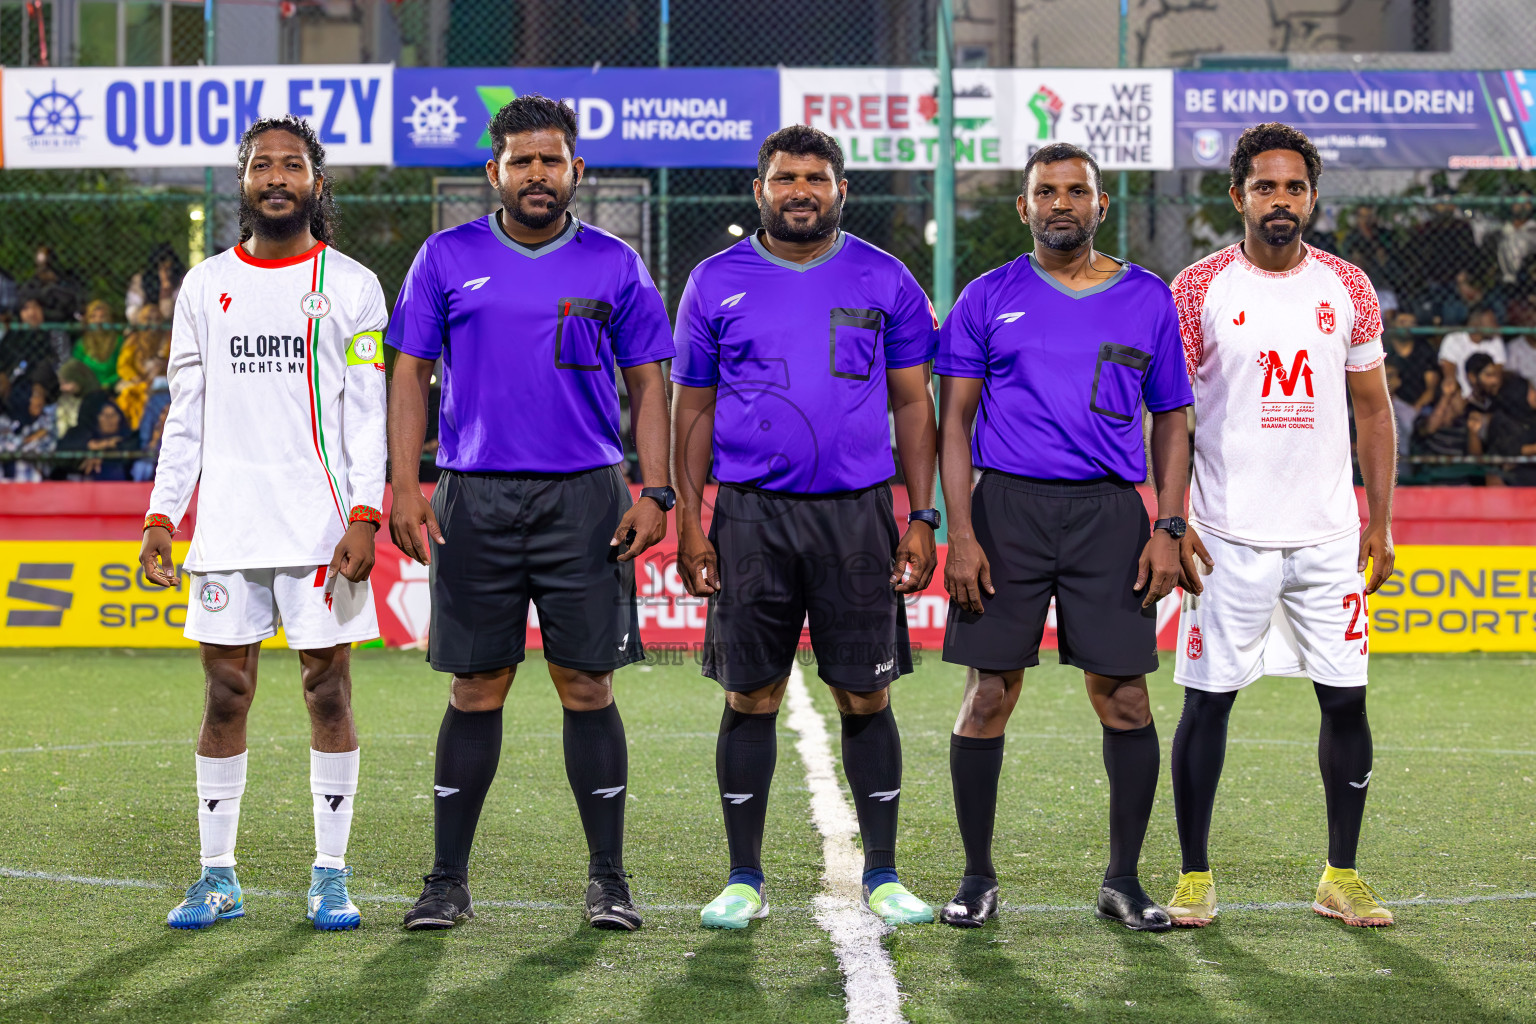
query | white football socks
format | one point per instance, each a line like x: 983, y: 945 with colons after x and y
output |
x: 333, y: 781
x: 220, y: 784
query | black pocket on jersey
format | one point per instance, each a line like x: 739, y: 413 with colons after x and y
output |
x: 579, y: 328
x: 855, y: 335
x: 1117, y: 381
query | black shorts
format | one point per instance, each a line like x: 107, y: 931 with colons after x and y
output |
x: 786, y: 558
x: 512, y: 538
x: 1076, y: 542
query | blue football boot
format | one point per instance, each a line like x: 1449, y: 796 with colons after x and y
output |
x: 214, y: 897
x: 330, y: 907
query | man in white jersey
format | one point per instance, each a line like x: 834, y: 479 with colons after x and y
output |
x: 277, y: 406
x: 1280, y: 338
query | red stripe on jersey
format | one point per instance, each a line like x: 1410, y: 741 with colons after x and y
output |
x: 1189, y: 290
x: 311, y: 381
x: 288, y: 261
x: 320, y: 576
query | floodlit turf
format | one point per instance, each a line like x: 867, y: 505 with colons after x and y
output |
x: 1451, y: 815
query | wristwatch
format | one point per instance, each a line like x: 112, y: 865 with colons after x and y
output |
x: 666, y: 497
x: 926, y: 515
x: 1173, y: 524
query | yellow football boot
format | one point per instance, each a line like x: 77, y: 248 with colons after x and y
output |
x: 1194, y: 901
x: 1343, y: 894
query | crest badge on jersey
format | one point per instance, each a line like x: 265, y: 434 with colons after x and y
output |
x: 1195, y: 646
x: 214, y: 597
x: 315, y: 305
x: 1325, y: 320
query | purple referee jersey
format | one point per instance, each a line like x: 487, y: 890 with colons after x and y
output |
x: 529, y: 338
x: 798, y: 352
x: 1066, y: 373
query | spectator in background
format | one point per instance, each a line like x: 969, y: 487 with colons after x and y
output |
x: 151, y: 427
x: 1444, y: 430
x: 133, y: 399
x: 1441, y: 246
x: 1487, y: 380
x: 1404, y: 412
x: 1516, y: 243
x: 1520, y: 353
x: 1372, y: 249
x: 102, y: 428
x: 57, y: 292
x: 30, y: 349
x: 8, y: 294
x: 99, y: 347
x: 76, y: 381
x: 1416, y: 361
x: 1513, y: 432
x: 162, y: 280
x: 146, y: 343
x: 133, y: 298
x: 1457, y: 347
x: 27, y: 428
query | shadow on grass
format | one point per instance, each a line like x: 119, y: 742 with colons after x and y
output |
x: 1417, y: 989
x: 718, y: 984
x: 88, y: 996
x: 530, y: 988
x: 995, y: 988
x: 81, y: 996
x: 391, y: 986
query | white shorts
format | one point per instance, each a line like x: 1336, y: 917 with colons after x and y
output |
x: 1277, y: 612
x: 245, y: 606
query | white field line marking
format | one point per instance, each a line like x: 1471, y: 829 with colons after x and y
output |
x: 869, y: 980
x: 1010, y: 908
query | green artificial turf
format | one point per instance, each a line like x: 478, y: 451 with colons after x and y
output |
x: 1451, y: 815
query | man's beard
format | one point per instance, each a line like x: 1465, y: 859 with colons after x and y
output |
x: 279, y: 228
x: 1280, y: 229
x: 776, y: 223
x: 1064, y: 239
x: 513, y: 204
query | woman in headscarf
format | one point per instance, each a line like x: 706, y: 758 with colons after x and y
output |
x: 76, y: 381
x: 99, y: 347
x: 102, y: 428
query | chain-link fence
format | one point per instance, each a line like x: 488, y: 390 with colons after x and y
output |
x: 1444, y: 249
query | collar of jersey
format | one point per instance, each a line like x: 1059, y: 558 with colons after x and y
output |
x: 1306, y: 255
x: 762, y: 250
x: 290, y: 261
x: 548, y: 247
x: 1045, y: 276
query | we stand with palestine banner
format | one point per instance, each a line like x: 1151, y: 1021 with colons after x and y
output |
x: 885, y: 118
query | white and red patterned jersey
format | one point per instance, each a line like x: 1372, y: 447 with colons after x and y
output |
x: 277, y: 408
x: 1267, y: 356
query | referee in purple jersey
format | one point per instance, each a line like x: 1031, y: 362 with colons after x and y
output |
x: 1058, y: 352
x: 794, y: 347
x: 530, y: 311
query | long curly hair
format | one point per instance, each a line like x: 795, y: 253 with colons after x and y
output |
x: 322, y: 222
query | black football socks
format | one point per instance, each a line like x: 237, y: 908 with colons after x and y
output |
x: 1131, y: 760
x: 746, y: 754
x: 597, y: 765
x: 872, y: 763
x: 1344, y: 754
x: 468, y: 751
x: 974, y: 768
x: 1199, y: 751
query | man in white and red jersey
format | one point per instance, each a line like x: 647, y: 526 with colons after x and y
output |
x: 277, y: 407
x: 1280, y: 338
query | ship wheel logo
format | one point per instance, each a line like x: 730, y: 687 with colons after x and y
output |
x: 54, y: 113
x: 435, y: 120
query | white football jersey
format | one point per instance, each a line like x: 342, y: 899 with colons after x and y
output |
x: 1267, y: 356
x: 277, y: 405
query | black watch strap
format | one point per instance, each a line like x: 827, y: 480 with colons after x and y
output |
x: 925, y: 515
x: 666, y: 497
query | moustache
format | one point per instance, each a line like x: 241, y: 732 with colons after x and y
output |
x: 279, y: 193
x: 1282, y: 216
x: 538, y: 190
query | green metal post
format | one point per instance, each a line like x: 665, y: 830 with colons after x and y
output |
x: 944, y: 170
x: 663, y: 175
x: 209, y: 51
x: 944, y: 193
x: 1123, y: 185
